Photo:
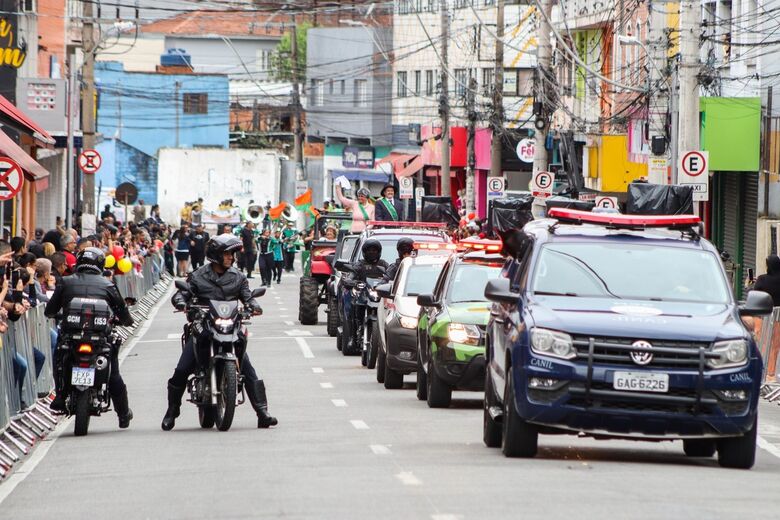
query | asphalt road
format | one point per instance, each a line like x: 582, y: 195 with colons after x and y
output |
x: 347, y: 448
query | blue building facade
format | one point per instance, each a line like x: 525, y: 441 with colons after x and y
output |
x: 140, y: 112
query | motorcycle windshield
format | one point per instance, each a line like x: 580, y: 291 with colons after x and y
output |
x: 223, y: 309
x: 373, y: 282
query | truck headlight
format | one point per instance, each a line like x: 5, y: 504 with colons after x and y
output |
x: 552, y: 343
x: 407, y: 322
x: 731, y: 353
x: 465, y: 334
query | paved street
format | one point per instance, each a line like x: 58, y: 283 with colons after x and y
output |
x: 347, y: 448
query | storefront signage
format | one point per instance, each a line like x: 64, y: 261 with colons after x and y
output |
x: 525, y: 150
x: 357, y: 157
x: 10, y: 54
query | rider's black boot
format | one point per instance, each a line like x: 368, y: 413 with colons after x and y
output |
x: 175, y: 394
x: 123, y: 410
x: 259, y: 401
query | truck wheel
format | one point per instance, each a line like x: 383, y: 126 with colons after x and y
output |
x: 491, y: 429
x: 699, y: 447
x: 338, y: 341
x: 308, y: 300
x: 380, y: 366
x: 439, y: 392
x: 738, y: 452
x: 422, y: 381
x: 333, y: 317
x: 393, y: 380
x: 520, y: 439
x: 373, y: 349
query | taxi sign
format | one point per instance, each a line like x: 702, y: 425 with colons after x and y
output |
x: 693, y: 171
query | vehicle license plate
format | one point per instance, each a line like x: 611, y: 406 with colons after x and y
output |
x: 82, y: 376
x: 641, y: 382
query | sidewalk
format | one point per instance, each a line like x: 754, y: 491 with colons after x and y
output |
x: 769, y: 423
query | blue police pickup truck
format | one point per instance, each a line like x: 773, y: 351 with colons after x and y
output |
x: 621, y: 326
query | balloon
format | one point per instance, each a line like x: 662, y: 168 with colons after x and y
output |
x: 124, y: 265
x: 471, y: 216
x: 118, y: 252
x: 110, y: 261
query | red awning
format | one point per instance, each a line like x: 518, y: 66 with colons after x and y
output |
x: 411, y: 168
x: 33, y: 171
x: 22, y: 120
x: 397, y: 160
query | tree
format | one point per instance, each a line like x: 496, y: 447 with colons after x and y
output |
x: 281, y: 59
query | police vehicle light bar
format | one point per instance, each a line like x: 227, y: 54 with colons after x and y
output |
x: 436, y: 245
x: 623, y: 221
x: 477, y: 244
x: 402, y: 224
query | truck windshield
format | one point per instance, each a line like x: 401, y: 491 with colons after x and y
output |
x: 421, y: 279
x: 469, y: 280
x: 630, y: 271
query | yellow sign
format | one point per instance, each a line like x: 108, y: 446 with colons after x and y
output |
x: 9, y: 54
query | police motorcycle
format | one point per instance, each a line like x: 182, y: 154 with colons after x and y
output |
x: 87, y: 339
x: 219, y: 329
x: 366, y: 304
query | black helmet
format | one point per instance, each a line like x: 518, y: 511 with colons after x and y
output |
x: 372, y: 250
x: 91, y: 260
x: 405, y: 246
x: 221, y: 244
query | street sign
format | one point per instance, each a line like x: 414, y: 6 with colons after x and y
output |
x: 495, y: 188
x: 11, y: 178
x: 419, y: 193
x: 657, y: 169
x: 693, y: 170
x: 300, y: 188
x: 542, y: 184
x: 587, y: 196
x: 90, y: 161
x: 406, y: 188
x: 525, y: 150
x: 607, y: 202
x: 126, y: 193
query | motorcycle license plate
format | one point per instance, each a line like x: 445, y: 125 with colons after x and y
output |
x: 641, y: 382
x: 82, y: 376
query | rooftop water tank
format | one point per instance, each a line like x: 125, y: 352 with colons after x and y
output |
x: 176, y: 58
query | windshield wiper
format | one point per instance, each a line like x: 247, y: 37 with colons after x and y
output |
x: 553, y: 293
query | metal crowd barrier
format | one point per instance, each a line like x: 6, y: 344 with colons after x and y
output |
x: 768, y: 338
x: 24, y: 411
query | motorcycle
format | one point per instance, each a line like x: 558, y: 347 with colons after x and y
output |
x: 87, y: 339
x: 219, y: 329
x: 365, y: 305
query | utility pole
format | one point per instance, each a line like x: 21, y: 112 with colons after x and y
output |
x: 88, y: 100
x: 472, y: 130
x: 690, y: 32
x: 177, y: 95
x: 767, y: 146
x: 658, y: 102
x: 444, y: 101
x: 543, y: 60
x: 70, y: 185
x: 498, y: 94
x: 298, y: 130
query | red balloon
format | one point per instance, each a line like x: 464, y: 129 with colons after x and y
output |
x: 118, y: 252
x: 471, y: 216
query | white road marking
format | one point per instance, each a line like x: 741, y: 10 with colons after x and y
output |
x: 358, y: 424
x: 408, y: 479
x: 159, y: 340
x: 446, y: 517
x: 326, y: 385
x: 768, y: 447
x: 380, y: 449
x: 174, y: 336
x: 284, y: 315
x: 297, y: 332
x: 307, y: 353
x: 27, y: 466
x: 317, y: 370
x: 282, y: 308
x: 340, y: 403
x: 288, y: 323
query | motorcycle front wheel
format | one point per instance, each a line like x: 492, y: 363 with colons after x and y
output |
x: 83, y: 413
x: 206, y: 416
x: 227, y: 380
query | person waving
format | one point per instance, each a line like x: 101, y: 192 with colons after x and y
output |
x: 362, y: 208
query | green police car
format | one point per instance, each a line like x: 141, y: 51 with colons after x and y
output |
x: 451, y: 326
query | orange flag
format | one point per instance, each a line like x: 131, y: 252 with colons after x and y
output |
x: 276, y: 212
x: 304, y: 199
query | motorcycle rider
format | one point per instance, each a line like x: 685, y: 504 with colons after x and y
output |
x: 88, y: 282
x: 371, y: 266
x: 405, y: 248
x: 217, y: 280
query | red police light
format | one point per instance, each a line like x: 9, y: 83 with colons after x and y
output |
x: 623, y: 221
x: 481, y: 244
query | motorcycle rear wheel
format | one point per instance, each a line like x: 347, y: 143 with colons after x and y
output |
x: 83, y: 413
x: 226, y: 399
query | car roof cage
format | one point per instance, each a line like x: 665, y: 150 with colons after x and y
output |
x: 689, y: 225
x: 402, y: 224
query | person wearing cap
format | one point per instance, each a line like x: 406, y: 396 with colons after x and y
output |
x: 362, y: 209
x: 389, y: 208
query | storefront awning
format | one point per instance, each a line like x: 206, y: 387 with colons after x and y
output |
x: 411, y: 168
x: 361, y: 175
x: 397, y: 160
x: 21, y: 120
x: 33, y: 171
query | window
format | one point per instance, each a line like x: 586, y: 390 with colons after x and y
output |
x: 317, y: 93
x: 401, y: 85
x: 461, y: 82
x: 196, y: 103
x: 429, y: 83
x: 488, y: 75
x: 417, y: 82
x: 263, y: 60
x: 342, y: 86
x: 28, y: 6
x: 361, y: 92
x: 330, y: 87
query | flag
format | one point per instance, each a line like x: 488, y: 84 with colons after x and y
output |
x: 303, y: 201
x: 275, y: 213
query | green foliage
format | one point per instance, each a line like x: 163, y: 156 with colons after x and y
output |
x: 281, y: 59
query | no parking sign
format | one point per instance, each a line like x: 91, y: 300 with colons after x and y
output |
x: 542, y: 184
x: 11, y: 178
x: 607, y: 202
